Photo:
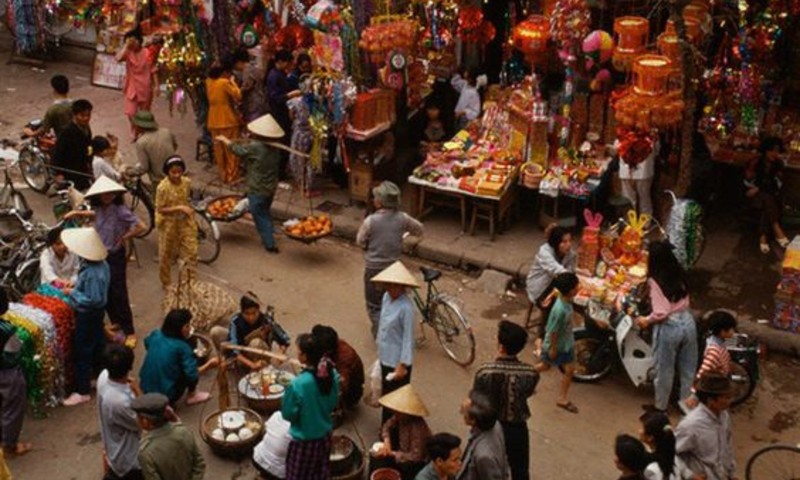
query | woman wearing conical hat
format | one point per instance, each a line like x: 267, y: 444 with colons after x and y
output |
x: 395, y: 329
x: 405, y: 433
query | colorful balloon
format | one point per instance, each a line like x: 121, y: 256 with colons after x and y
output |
x: 598, y: 46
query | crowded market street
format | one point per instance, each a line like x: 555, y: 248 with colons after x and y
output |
x: 321, y: 283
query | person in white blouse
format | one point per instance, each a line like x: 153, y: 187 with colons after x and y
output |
x: 57, y: 265
x: 468, y: 107
x: 637, y: 180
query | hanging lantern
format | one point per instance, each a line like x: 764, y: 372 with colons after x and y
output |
x: 700, y: 11
x: 631, y: 34
x: 669, y: 46
x: 530, y: 37
x: 694, y: 32
x: 650, y: 74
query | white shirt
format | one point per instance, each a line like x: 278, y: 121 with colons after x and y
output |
x: 469, y: 102
x: 101, y: 166
x: 270, y: 453
x: 51, y: 268
x: 643, y: 170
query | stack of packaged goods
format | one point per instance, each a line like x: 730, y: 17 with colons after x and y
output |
x: 787, y: 297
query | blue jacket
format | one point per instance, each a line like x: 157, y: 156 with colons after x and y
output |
x: 91, y: 288
x: 169, y: 365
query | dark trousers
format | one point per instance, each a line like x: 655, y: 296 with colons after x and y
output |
x: 88, y: 343
x: 770, y: 206
x: 135, y: 474
x: 373, y: 295
x: 517, y: 449
x: 259, y: 209
x: 119, y: 305
x: 390, y: 386
x: 12, y: 405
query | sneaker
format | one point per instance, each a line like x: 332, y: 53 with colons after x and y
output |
x: 76, y: 399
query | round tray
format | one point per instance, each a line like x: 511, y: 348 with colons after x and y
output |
x: 238, y: 449
x: 228, y: 218
x: 256, y: 399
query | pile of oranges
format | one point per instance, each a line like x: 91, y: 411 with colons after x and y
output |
x: 311, y: 226
x: 223, y: 207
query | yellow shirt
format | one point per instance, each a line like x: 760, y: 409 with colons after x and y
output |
x: 222, y: 94
x: 171, y: 195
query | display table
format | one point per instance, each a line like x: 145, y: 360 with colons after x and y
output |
x: 554, y: 199
x: 495, y: 209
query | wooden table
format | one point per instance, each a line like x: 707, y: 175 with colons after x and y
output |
x: 496, y: 210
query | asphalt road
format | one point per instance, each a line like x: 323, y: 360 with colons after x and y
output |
x: 321, y: 283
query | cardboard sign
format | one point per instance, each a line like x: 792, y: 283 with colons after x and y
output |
x: 108, y: 72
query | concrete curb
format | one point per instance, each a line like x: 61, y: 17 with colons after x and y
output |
x: 345, y: 228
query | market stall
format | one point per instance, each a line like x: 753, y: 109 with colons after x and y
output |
x: 476, y: 170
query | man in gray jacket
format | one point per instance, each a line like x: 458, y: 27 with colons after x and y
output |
x: 484, y: 456
x: 381, y: 235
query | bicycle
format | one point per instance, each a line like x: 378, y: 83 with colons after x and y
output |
x: 21, y: 243
x: 34, y: 160
x: 140, y: 201
x: 208, y: 237
x: 10, y: 197
x: 774, y: 462
x: 440, y: 312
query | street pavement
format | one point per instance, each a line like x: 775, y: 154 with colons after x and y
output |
x: 321, y: 283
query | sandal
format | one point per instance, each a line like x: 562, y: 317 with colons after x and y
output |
x: 764, y: 247
x: 198, y: 397
x: 569, y: 406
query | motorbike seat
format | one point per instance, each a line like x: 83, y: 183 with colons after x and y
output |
x: 430, y: 274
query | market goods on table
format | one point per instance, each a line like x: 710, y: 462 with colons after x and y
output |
x: 263, y: 390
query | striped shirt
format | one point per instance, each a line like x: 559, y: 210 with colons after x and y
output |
x: 509, y: 383
x: 715, y: 358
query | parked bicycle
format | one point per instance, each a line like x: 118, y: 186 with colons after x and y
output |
x: 139, y: 199
x: 10, y: 197
x: 774, y: 462
x: 21, y: 243
x: 208, y: 236
x: 34, y: 159
x: 441, y: 312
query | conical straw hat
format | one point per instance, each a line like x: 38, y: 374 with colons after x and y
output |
x: 396, y: 273
x: 266, y: 127
x: 104, y: 185
x: 85, y: 242
x: 404, y: 400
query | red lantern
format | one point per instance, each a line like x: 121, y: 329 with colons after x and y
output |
x: 530, y: 36
x: 650, y: 74
x: 631, y: 35
x: 694, y: 31
x: 669, y: 46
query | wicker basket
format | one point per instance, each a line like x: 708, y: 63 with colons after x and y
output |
x: 356, y: 467
x: 342, y: 451
x: 532, y: 174
x: 306, y: 238
x: 218, y: 201
x: 238, y: 449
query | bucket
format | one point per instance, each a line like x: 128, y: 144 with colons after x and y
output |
x: 385, y: 474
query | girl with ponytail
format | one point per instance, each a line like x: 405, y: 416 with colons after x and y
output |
x: 307, y: 404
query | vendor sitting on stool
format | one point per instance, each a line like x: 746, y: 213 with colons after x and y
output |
x: 248, y: 328
x: 404, y: 434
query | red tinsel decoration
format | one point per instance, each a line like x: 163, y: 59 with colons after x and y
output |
x: 294, y: 36
x: 64, y: 319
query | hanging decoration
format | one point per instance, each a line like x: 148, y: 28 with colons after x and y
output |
x: 472, y: 28
x: 569, y: 25
x: 597, y: 47
x: 650, y: 102
x: 26, y: 18
x: 530, y: 37
x: 292, y: 37
x: 631, y: 38
x: 386, y: 34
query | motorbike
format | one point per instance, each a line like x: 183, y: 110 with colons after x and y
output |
x: 606, y: 337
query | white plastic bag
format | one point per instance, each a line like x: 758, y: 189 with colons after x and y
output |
x: 374, y: 384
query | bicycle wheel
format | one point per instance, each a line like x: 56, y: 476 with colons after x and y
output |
x: 33, y: 166
x: 592, y: 362
x: 453, y: 331
x: 142, y: 206
x: 28, y: 278
x: 208, y: 244
x: 775, y: 462
x: 743, y: 384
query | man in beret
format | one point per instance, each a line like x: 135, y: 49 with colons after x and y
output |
x: 703, y: 439
x: 168, y: 449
